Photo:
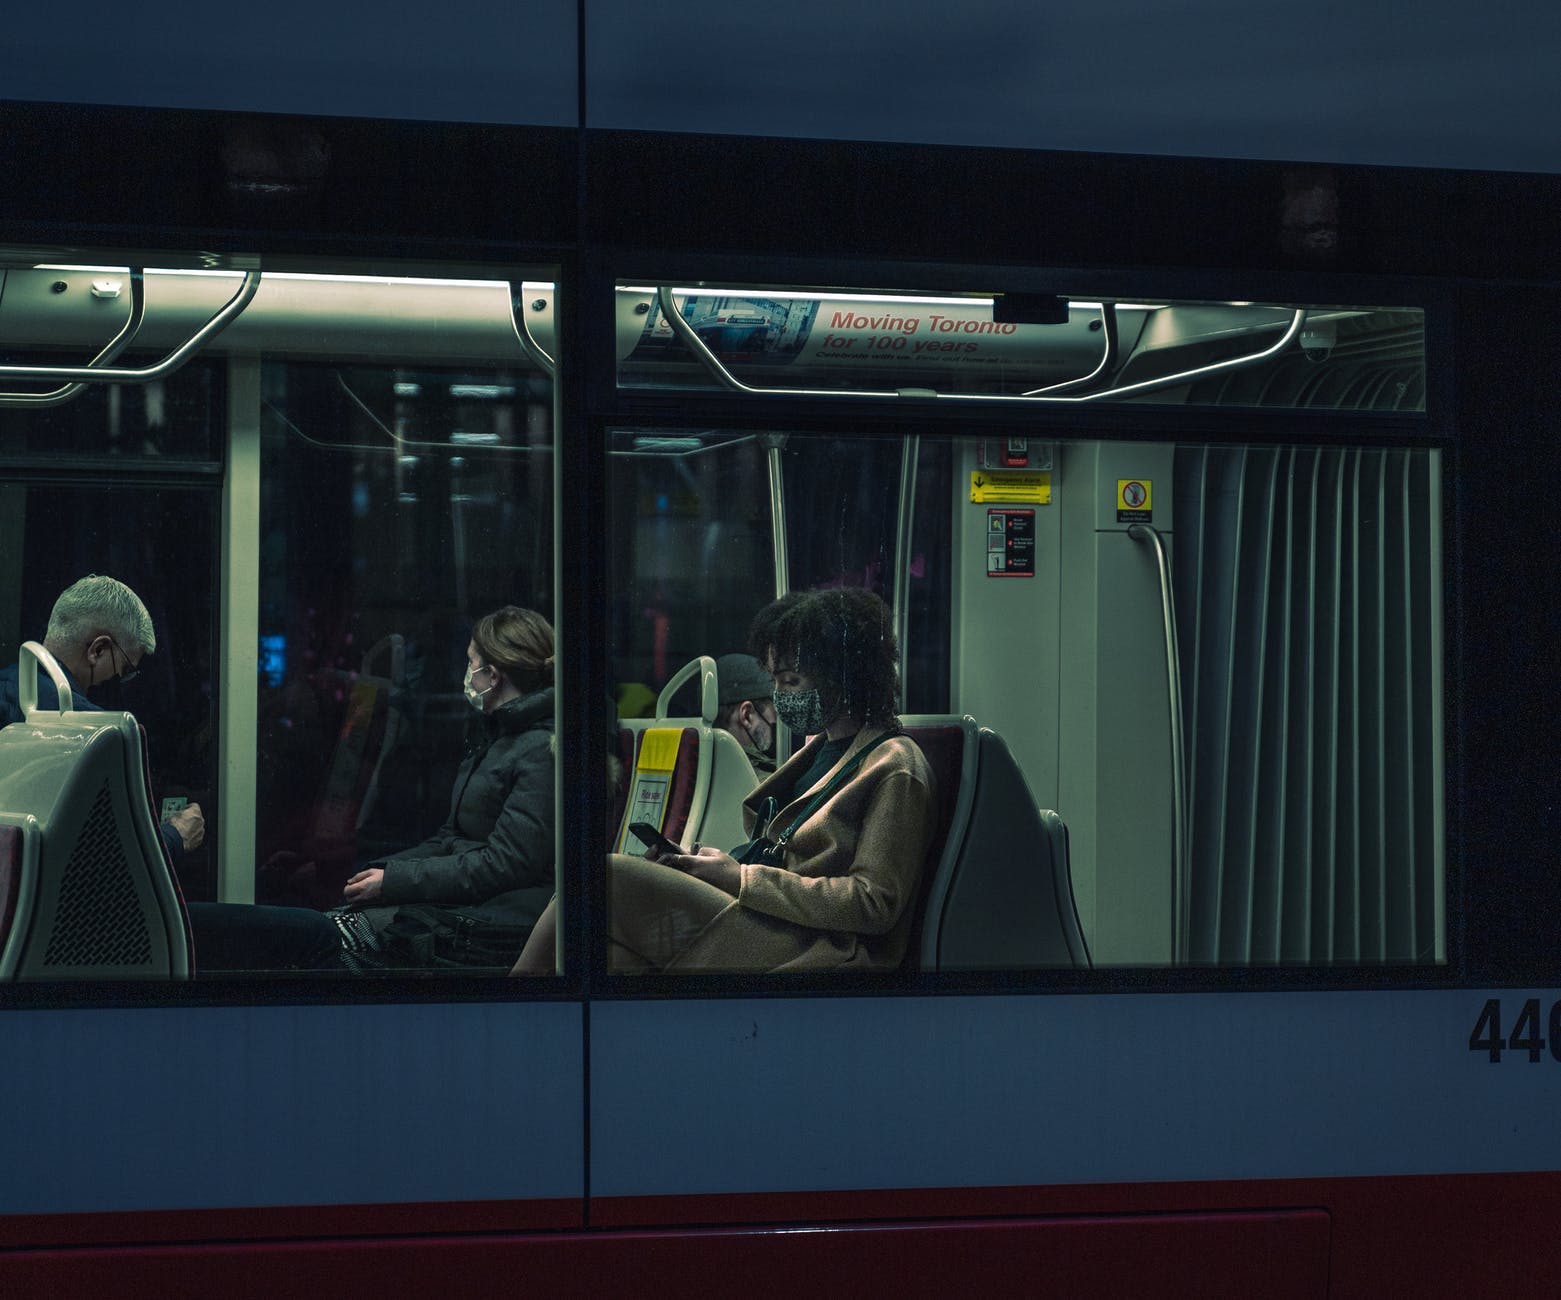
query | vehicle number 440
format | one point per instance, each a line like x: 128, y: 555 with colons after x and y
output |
x: 1525, y: 1036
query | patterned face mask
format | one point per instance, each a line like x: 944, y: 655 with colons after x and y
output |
x: 802, y: 711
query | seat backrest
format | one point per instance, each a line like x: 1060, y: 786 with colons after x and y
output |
x: 369, y: 732
x: 97, y: 900
x: 949, y: 743
x: 661, y: 783
x: 1001, y: 896
x: 18, y: 878
x: 688, y: 777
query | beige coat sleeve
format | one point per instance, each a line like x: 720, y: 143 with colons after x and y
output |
x: 857, y: 864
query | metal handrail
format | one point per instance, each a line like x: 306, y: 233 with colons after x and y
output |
x: 774, y: 444
x: 727, y: 379
x: 1181, y: 893
x: 159, y: 369
x: 723, y: 376
x: 1108, y: 356
x: 529, y: 345
x: 116, y: 345
x: 904, y: 531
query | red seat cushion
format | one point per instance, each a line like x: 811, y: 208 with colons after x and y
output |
x: 11, y: 845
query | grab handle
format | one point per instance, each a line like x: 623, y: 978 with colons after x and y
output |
x: 33, y: 657
x: 158, y: 369
x: 1181, y: 893
x: 709, y: 694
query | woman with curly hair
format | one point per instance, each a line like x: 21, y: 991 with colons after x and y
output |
x: 841, y: 830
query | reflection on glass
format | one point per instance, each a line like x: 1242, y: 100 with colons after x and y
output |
x: 398, y: 505
x: 1287, y: 810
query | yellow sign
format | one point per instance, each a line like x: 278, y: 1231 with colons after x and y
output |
x: 659, y: 749
x: 1033, y: 487
x: 1135, y: 494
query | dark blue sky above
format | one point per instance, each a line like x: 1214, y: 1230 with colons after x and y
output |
x: 1435, y: 83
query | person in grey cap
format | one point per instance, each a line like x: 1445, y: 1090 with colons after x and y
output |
x: 746, y: 709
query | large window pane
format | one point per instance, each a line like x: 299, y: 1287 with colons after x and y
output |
x: 1284, y: 805
x: 354, y: 666
x: 398, y: 505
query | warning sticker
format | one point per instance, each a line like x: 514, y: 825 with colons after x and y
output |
x: 1034, y: 487
x: 1010, y: 543
x: 1135, y: 501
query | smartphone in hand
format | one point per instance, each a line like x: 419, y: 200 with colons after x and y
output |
x: 652, y: 838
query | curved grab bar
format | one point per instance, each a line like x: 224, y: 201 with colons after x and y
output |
x: 396, y: 644
x: 727, y: 379
x: 904, y: 532
x: 1108, y: 357
x: 33, y: 657
x: 1297, y: 319
x: 116, y: 345
x: 709, y: 693
x: 157, y: 370
x: 1181, y: 894
x: 528, y: 344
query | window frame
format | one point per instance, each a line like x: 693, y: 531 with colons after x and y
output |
x: 610, y: 408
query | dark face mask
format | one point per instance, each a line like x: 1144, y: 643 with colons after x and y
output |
x: 762, y: 727
x: 801, y: 711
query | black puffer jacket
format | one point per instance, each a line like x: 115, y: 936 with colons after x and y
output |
x: 496, y: 846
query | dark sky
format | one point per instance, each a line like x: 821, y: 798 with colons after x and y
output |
x: 1430, y: 82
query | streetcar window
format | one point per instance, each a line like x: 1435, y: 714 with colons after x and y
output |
x: 1263, y: 787
x: 318, y: 510
x: 1021, y: 348
x: 160, y: 541
x: 398, y: 505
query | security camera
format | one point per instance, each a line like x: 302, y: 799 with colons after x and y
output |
x: 1317, y: 340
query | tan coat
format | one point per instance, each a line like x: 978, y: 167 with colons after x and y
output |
x: 848, y: 891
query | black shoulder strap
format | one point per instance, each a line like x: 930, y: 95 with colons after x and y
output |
x: 838, y: 780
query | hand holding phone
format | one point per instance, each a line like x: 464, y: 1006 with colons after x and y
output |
x: 652, y: 838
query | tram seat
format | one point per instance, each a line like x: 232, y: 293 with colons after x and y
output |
x: 687, y: 776
x: 93, y: 894
x: 620, y: 767
x: 998, y: 893
x: 18, y: 863
x: 370, y: 731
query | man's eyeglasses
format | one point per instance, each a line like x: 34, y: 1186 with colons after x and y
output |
x: 130, y: 671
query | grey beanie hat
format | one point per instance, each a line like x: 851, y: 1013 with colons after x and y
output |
x: 739, y: 677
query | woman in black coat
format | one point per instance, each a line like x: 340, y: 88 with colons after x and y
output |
x: 493, y: 857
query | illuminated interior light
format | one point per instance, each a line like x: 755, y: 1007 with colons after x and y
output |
x: 666, y: 444
x: 822, y: 295
x: 535, y: 286
x: 788, y: 295
x: 463, y: 438
x: 482, y: 390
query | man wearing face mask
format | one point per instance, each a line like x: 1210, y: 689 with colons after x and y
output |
x: 492, y: 859
x: 99, y: 630
x: 746, y: 709
x: 840, y: 832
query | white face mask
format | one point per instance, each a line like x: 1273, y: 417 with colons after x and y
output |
x: 473, y: 695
